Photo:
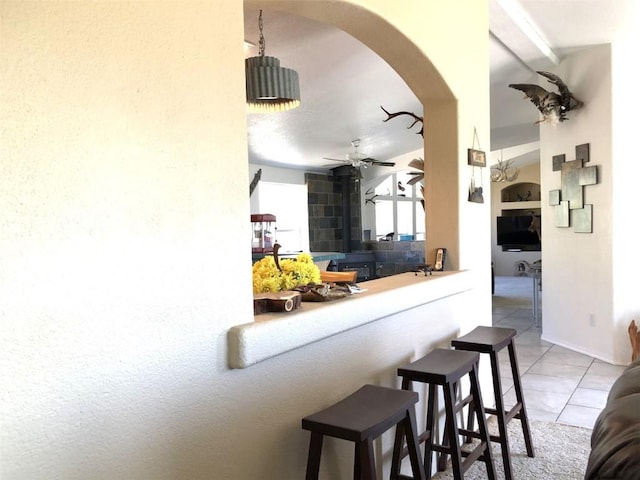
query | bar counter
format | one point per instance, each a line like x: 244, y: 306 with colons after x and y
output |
x: 273, y: 334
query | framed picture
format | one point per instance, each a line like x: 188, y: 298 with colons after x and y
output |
x: 477, y: 158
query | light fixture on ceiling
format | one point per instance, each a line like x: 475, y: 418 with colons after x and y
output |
x: 270, y: 87
x: 500, y: 172
x: 356, y: 158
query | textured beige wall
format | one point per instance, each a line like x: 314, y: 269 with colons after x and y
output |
x: 578, y: 269
x: 123, y: 260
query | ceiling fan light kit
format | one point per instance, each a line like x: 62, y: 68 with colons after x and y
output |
x: 356, y: 158
x: 270, y: 87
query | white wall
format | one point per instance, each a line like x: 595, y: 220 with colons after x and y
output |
x: 578, y: 273
x: 123, y: 157
x: 625, y: 257
x: 273, y: 175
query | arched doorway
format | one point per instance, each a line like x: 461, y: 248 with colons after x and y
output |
x: 377, y: 31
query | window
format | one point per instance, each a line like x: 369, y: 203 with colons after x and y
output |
x: 288, y: 202
x: 398, y: 208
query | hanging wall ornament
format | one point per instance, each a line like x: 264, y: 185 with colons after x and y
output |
x: 476, y: 158
x: 475, y: 193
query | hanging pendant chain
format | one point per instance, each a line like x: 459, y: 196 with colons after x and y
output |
x: 261, y: 42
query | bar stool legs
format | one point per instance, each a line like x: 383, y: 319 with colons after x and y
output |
x: 361, y: 418
x: 408, y: 430
x: 491, y: 340
x: 445, y: 368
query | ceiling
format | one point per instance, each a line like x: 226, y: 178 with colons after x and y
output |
x: 343, y: 83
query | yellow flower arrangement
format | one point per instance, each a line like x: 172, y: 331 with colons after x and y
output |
x: 295, y: 272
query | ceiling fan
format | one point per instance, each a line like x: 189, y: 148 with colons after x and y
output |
x: 359, y: 160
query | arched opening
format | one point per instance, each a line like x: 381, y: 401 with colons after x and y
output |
x: 439, y: 106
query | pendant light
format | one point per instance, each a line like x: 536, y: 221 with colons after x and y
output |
x: 270, y: 87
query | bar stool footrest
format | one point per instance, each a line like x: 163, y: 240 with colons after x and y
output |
x: 463, y: 403
x: 469, y: 433
x: 508, y: 414
x: 473, y: 455
x: 423, y: 437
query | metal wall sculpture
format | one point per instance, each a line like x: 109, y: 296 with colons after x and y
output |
x: 570, y: 209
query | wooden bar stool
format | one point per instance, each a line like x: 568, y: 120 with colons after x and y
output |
x: 445, y: 368
x: 361, y: 418
x: 491, y: 340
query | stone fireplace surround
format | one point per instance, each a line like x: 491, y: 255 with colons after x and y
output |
x: 327, y: 206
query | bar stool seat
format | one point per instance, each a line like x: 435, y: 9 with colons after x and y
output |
x: 491, y: 340
x: 361, y: 418
x: 445, y: 368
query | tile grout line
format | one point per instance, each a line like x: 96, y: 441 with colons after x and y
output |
x: 514, y: 313
x: 574, y: 390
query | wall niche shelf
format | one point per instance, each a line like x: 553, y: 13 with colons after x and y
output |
x: 521, y: 192
x: 511, y: 199
x: 520, y: 200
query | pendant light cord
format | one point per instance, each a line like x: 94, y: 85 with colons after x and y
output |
x: 261, y: 42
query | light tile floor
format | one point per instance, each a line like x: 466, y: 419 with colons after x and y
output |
x: 559, y: 385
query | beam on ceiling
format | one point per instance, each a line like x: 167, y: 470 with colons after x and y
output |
x: 511, y: 24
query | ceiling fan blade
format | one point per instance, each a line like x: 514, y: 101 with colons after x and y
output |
x: 380, y: 163
x: 417, y: 163
x: 415, y: 179
x: 336, y: 160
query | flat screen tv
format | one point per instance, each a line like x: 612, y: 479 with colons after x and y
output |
x: 513, y: 232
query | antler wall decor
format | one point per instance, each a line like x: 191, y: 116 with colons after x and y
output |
x: 370, y: 196
x: 254, y: 182
x: 415, y: 117
x: 500, y: 172
x: 417, y: 163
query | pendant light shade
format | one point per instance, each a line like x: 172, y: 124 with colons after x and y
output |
x: 270, y: 87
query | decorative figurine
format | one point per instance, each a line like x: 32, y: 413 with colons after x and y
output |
x: 553, y: 106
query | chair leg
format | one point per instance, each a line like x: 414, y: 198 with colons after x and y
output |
x: 471, y: 420
x: 367, y: 470
x: 313, y: 460
x: 502, y: 421
x: 442, y: 457
x: 428, y: 444
x: 517, y: 385
x: 451, y: 426
x: 411, y: 428
x: 482, y: 423
x: 396, y: 459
